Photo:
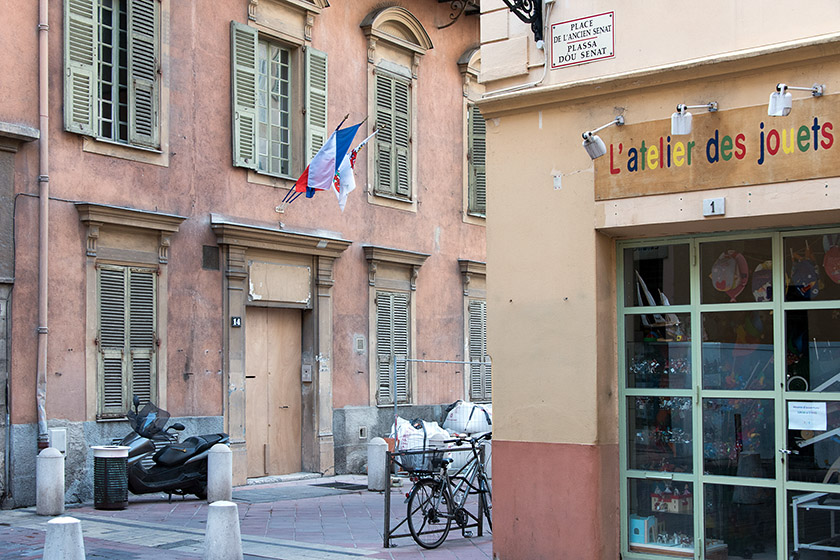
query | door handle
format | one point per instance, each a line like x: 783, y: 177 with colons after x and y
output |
x: 285, y: 406
x: 788, y: 452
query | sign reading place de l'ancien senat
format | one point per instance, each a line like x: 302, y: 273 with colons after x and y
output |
x: 582, y: 40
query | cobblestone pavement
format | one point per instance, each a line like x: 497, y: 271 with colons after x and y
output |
x: 294, y: 520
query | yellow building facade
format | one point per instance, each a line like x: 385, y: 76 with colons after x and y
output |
x: 663, y: 317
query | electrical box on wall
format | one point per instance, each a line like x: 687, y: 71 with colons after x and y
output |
x: 58, y: 439
x: 306, y: 373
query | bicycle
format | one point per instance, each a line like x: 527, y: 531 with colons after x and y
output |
x: 438, y: 498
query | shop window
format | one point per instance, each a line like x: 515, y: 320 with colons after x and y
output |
x: 112, y: 70
x: 730, y: 377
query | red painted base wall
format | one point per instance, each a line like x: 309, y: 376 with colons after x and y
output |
x: 555, y: 501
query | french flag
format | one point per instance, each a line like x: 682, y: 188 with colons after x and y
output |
x: 323, y: 168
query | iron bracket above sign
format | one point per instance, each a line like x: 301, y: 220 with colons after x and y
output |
x: 529, y: 11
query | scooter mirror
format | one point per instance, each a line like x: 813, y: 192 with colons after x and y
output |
x: 136, y: 401
x: 177, y: 426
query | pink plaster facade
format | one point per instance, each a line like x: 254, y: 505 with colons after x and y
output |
x: 199, y: 179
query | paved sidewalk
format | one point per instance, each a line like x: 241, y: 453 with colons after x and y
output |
x: 321, y: 518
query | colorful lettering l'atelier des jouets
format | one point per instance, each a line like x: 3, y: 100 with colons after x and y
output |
x: 769, y: 142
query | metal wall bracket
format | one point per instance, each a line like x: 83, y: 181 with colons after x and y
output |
x: 529, y: 11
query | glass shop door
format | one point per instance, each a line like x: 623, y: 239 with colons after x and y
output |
x: 811, y: 429
x: 729, y: 364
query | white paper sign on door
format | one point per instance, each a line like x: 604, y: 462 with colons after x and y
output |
x: 807, y: 416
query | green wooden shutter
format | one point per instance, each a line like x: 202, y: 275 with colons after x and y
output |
x: 477, y: 158
x: 142, y: 336
x: 383, y: 348
x: 243, y: 45
x: 80, y: 60
x: 143, y: 73
x: 480, y: 375
x: 402, y: 138
x: 112, y: 338
x: 384, y: 139
x: 400, y: 344
x: 316, y: 102
x: 392, y: 339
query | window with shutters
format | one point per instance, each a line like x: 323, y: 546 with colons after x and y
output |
x: 266, y: 75
x: 112, y: 78
x: 475, y: 161
x: 481, y: 386
x: 393, y: 141
x: 127, y: 339
x: 397, y: 42
x: 475, y: 150
x: 392, y: 347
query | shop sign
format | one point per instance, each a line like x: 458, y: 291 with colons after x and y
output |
x: 582, y: 40
x: 738, y: 147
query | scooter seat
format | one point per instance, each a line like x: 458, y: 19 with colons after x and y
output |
x: 178, y: 453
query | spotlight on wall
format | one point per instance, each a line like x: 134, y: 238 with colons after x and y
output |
x: 781, y: 100
x: 681, y: 120
x: 593, y: 145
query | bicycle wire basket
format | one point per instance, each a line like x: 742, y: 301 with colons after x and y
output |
x: 421, y: 460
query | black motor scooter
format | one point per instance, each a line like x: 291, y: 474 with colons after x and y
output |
x: 177, y: 467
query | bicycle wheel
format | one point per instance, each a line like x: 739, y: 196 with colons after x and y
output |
x: 488, y: 500
x: 429, y: 516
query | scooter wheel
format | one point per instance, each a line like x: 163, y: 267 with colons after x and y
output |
x: 202, y: 494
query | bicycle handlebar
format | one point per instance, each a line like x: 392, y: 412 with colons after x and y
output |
x: 460, y: 440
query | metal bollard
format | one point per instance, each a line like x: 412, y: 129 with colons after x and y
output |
x: 49, y: 482
x: 222, y: 540
x: 376, y: 472
x: 219, y: 473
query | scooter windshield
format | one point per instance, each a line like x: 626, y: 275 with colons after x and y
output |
x: 149, y: 420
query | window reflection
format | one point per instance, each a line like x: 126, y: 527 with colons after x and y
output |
x: 658, y: 354
x: 657, y: 275
x: 812, y: 267
x: 738, y: 350
x: 736, y: 271
x: 812, y: 357
x: 659, y: 434
x: 740, y: 521
x: 738, y: 437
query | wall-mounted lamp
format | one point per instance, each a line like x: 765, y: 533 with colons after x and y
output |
x: 681, y: 120
x: 593, y: 145
x: 781, y: 100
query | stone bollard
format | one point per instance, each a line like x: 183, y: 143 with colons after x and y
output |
x: 376, y: 470
x: 219, y: 473
x: 64, y: 539
x: 222, y: 540
x: 49, y: 482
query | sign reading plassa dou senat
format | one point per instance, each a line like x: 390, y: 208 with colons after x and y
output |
x: 582, y: 40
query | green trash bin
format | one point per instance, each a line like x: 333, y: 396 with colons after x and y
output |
x: 110, y: 476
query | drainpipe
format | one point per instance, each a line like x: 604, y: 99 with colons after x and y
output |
x: 44, y: 219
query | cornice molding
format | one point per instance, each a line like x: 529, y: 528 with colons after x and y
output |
x: 230, y: 231
x: 103, y: 214
x: 745, y: 60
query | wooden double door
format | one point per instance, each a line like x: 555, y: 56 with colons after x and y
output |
x: 273, y: 391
